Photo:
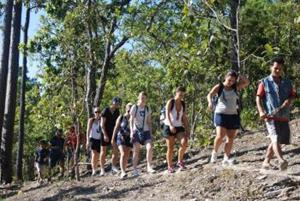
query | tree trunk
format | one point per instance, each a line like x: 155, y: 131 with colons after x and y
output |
x: 4, y: 62
x: 11, y: 94
x: 235, y: 56
x: 109, y: 55
x: 19, y: 164
x: 90, y: 77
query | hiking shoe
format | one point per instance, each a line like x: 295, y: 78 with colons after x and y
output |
x: 135, y: 173
x: 283, y: 165
x: 181, y: 165
x: 114, y: 169
x: 171, y: 170
x: 94, y: 173
x: 102, y: 172
x: 213, y: 158
x: 230, y: 161
x: 267, y: 166
x: 150, y: 170
x: 123, y: 175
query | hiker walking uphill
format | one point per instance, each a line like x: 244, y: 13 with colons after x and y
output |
x: 140, y: 132
x: 176, y: 126
x: 93, y: 135
x: 121, y: 136
x: 42, y: 160
x: 226, y: 115
x: 108, y: 121
x: 57, y: 156
x: 274, y: 97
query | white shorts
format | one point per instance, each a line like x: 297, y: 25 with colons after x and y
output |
x: 278, y: 131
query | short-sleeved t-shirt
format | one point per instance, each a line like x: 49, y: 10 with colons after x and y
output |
x: 41, y: 156
x: 57, y: 144
x: 111, y: 118
x: 139, y: 115
x: 262, y: 93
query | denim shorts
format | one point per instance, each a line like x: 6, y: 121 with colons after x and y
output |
x: 124, y: 140
x: 141, y: 137
x: 228, y: 121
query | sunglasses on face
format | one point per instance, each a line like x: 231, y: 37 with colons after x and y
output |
x: 97, y: 112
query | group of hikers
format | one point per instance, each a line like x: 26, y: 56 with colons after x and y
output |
x: 126, y: 133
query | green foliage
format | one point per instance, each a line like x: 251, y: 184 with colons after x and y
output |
x: 171, y: 43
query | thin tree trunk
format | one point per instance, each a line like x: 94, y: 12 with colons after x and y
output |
x: 90, y: 74
x: 75, y: 167
x: 109, y: 55
x: 11, y: 94
x: 4, y: 62
x: 19, y: 164
x: 235, y: 60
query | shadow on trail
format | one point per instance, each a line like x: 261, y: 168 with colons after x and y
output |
x: 77, y: 190
x: 120, y: 193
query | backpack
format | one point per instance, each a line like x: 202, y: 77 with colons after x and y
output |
x: 163, y: 111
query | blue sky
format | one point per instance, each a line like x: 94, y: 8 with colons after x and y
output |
x: 33, y: 28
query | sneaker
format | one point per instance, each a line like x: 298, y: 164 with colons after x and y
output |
x: 283, y: 165
x: 114, y: 169
x: 102, y: 172
x: 181, y: 165
x: 230, y: 161
x: 94, y: 173
x: 135, y: 173
x: 123, y: 175
x: 267, y: 166
x: 213, y: 158
x: 150, y: 170
x: 171, y: 170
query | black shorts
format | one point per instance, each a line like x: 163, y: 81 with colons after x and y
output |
x: 95, y: 144
x: 56, y: 159
x: 167, y: 132
x: 103, y: 143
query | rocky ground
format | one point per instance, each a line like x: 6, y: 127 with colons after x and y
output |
x: 202, y: 180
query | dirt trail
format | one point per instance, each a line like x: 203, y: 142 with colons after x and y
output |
x: 202, y: 180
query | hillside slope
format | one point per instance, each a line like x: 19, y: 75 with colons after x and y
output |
x: 202, y: 180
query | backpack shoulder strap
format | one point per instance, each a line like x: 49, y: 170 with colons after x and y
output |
x: 221, y: 87
x: 172, y: 103
x: 183, y: 105
x: 136, y: 110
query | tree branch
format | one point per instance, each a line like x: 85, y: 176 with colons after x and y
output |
x: 217, y: 17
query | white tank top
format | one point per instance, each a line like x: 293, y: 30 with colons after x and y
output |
x: 95, y: 130
x: 176, y: 120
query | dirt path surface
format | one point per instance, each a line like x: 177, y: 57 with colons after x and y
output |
x: 202, y: 180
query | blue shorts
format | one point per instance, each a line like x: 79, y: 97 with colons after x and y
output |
x: 124, y: 140
x: 141, y: 137
x: 228, y: 121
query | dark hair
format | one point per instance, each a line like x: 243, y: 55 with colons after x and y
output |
x: 232, y: 73
x: 59, y: 131
x: 117, y: 100
x: 278, y: 60
x: 180, y: 89
x: 43, y: 142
